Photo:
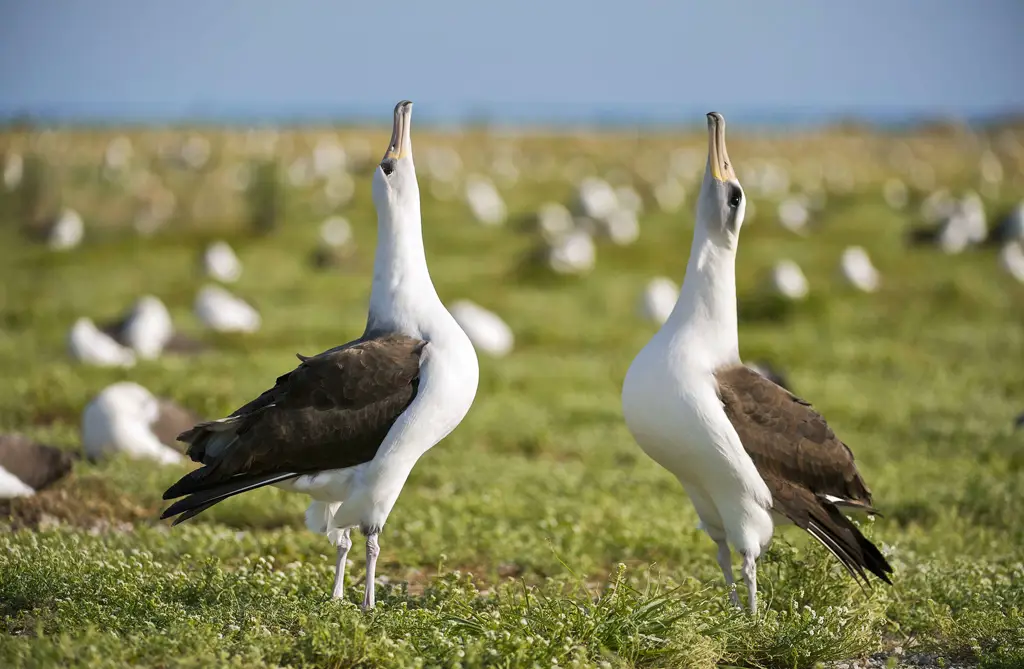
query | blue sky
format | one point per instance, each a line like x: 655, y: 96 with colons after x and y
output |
x: 125, y: 58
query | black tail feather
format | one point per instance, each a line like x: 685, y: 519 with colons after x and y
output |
x: 842, y: 538
x: 201, y: 499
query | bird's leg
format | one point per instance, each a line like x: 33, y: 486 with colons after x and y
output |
x: 749, y: 569
x: 372, y: 551
x: 725, y: 562
x: 344, y: 544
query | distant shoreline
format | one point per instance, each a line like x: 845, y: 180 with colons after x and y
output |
x: 529, y: 117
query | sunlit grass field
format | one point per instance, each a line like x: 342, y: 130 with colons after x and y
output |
x: 537, y: 534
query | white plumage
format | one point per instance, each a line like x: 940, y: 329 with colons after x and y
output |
x: 658, y: 299
x: 488, y: 332
x: 221, y: 263
x: 670, y: 397
x: 789, y: 280
x: 88, y: 344
x: 221, y: 311
x: 857, y: 269
x: 148, y: 327
x: 1011, y: 258
x: 484, y: 201
x: 67, y: 231
x: 119, y: 420
x: 12, y: 486
x: 572, y: 253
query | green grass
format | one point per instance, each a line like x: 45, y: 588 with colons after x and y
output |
x: 537, y: 534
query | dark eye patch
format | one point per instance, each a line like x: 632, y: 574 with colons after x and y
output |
x: 735, y: 195
x: 387, y: 166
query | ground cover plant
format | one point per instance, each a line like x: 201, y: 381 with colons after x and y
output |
x: 538, y: 534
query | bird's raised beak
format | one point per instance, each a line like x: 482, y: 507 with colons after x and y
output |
x: 718, y: 156
x: 401, y: 143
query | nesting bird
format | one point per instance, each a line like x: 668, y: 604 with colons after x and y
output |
x: 219, y: 310
x: 572, y: 253
x: 1011, y: 259
x: 88, y: 344
x: 27, y: 467
x: 66, y: 232
x: 347, y: 425
x: 221, y: 263
x: 658, y: 299
x: 147, y: 330
x: 127, y: 418
x: 484, y: 201
x: 789, y: 280
x: 748, y: 453
x: 488, y: 332
x: 857, y: 269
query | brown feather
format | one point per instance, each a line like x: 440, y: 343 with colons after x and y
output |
x: 331, y: 412
x: 801, y: 461
x: 36, y: 465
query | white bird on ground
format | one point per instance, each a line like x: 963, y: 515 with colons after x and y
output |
x: 90, y: 345
x: 27, y: 467
x: 789, y: 280
x: 127, y: 418
x: 148, y: 328
x: 620, y: 226
x: 488, y: 332
x: 857, y: 269
x: 66, y: 232
x: 572, y: 253
x: 221, y: 263
x: 347, y: 426
x: 554, y: 220
x: 1011, y: 258
x: 221, y: 311
x: 484, y: 201
x: 597, y: 198
x: 748, y: 453
x: 794, y: 214
x: 658, y: 299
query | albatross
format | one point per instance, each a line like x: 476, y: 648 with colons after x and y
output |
x: 347, y: 426
x: 748, y: 453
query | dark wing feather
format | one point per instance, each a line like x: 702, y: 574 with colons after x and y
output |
x: 808, y: 470
x: 36, y: 465
x: 823, y: 521
x: 331, y: 412
x: 786, y: 438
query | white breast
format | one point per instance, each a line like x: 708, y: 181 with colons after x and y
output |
x: 674, y: 413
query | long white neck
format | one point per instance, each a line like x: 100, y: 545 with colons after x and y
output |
x: 402, y: 297
x: 703, y: 323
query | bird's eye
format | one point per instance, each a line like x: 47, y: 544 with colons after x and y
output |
x: 735, y: 195
x: 387, y: 166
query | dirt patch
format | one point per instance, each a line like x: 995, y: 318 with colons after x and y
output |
x: 80, y: 502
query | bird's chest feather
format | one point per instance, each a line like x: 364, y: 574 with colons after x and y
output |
x: 674, y: 413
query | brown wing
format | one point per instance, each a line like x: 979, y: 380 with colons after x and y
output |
x: 36, y: 465
x: 805, y: 466
x: 788, y: 439
x: 331, y: 412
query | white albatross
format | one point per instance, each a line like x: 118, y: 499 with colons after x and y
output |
x: 748, y: 453
x: 126, y: 418
x: 347, y: 426
x: 88, y: 344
